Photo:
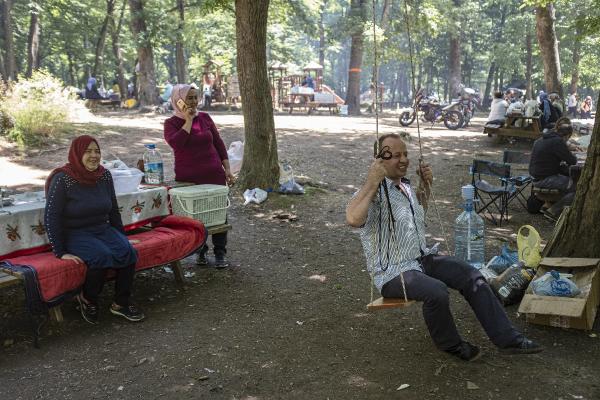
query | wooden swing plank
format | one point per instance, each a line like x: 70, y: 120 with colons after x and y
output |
x: 388, y: 302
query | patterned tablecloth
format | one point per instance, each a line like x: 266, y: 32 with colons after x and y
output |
x: 22, y: 224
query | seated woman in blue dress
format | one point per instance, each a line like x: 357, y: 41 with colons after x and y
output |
x: 84, y: 225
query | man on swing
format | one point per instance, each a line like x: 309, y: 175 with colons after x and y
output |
x: 398, y: 253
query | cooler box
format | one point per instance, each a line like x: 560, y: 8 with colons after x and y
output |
x: 205, y: 203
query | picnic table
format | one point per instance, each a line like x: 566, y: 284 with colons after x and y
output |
x: 22, y: 224
x: 516, y: 125
x: 307, y: 102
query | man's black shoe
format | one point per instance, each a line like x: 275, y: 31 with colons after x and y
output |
x: 89, y: 311
x: 221, y: 261
x: 130, y: 313
x: 525, y: 346
x: 201, y: 259
x: 466, y: 351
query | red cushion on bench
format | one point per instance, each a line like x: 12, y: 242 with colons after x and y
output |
x: 174, y: 238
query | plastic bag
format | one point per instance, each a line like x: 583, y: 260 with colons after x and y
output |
x: 529, y: 246
x: 255, y: 195
x: 488, y: 274
x: 555, y: 284
x: 507, y: 257
x: 287, y: 182
x: 236, y: 155
x: 510, y: 286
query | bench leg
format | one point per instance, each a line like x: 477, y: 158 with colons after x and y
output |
x: 56, y: 314
x: 178, y: 272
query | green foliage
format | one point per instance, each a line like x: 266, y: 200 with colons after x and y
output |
x: 39, y: 107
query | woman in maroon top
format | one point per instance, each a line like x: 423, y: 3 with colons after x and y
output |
x: 200, y: 155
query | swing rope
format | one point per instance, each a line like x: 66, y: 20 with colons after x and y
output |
x: 421, y: 160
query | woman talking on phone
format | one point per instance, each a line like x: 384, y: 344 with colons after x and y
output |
x: 200, y: 155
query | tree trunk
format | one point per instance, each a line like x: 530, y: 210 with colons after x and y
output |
x: 454, y: 58
x: 322, y: 36
x: 99, y: 54
x: 260, y: 167
x: 528, y: 65
x: 576, y: 59
x: 115, y: 32
x: 546, y: 36
x: 454, y: 67
x: 357, y: 13
x: 488, y: 85
x: 33, y: 40
x: 72, y: 79
x: 180, y: 65
x: 10, y: 63
x: 3, y: 76
x: 146, y: 79
x: 579, y: 234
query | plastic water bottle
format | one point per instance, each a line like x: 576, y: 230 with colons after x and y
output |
x: 469, y: 232
x: 153, y: 165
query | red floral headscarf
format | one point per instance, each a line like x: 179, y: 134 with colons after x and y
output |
x: 75, y: 168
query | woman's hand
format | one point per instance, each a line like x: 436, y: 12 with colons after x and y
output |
x: 425, y: 173
x: 230, y: 178
x: 68, y: 256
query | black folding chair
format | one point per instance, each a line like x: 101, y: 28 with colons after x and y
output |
x: 496, y: 195
x: 520, y: 182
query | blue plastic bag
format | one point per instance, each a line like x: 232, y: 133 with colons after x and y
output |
x: 500, y: 263
x: 553, y: 284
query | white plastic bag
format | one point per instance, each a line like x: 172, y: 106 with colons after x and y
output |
x: 236, y: 155
x: 255, y: 195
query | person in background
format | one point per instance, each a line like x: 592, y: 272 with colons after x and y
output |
x: 84, y: 225
x: 91, y: 89
x: 166, y: 95
x: 200, y: 155
x: 572, y: 105
x: 412, y: 266
x: 586, y: 108
x: 308, y: 81
x: 549, y: 113
x: 557, y: 103
x: 498, y: 110
x: 551, y: 157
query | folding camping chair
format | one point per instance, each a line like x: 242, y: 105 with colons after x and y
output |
x: 497, y: 196
x: 522, y: 181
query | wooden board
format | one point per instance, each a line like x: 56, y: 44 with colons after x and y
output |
x: 385, y: 303
x: 7, y: 280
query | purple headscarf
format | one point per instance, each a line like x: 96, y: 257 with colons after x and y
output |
x: 180, y: 91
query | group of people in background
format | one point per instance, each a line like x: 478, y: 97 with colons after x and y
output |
x: 548, y: 106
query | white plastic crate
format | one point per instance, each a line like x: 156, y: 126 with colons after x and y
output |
x: 205, y: 203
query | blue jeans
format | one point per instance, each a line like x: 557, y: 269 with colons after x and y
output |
x: 431, y: 287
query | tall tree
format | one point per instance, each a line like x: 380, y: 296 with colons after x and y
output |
x: 33, y: 39
x: 260, y: 167
x: 99, y: 53
x: 579, y: 234
x: 10, y: 64
x: 357, y: 16
x: 146, y: 78
x: 180, y: 64
x: 454, y: 56
x: 576, y: 58
x: 115, y: 32
x: 545, y: 16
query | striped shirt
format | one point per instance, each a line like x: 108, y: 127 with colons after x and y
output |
x: 387, y: 255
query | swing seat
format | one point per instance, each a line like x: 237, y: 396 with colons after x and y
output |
x: 389, y: 302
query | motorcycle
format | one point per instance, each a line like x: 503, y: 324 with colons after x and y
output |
x: 429, y: 109
x: 468, y: 102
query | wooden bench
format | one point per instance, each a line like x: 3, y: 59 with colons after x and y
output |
x: 531, y: 131
x: 166, y: 235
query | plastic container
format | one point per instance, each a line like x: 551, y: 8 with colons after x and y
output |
x: 469, y: 232
x: 205, y: 203
x: 153, y: 165
x: 510, y: 286
x: 126, y: 180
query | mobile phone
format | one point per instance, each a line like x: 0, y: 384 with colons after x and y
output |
x: 181, y: 104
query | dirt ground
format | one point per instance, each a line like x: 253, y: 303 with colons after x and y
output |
x: 289, y: 320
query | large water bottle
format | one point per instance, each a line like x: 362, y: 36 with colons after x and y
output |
x: 153, y: 165
x: 469, y: 232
